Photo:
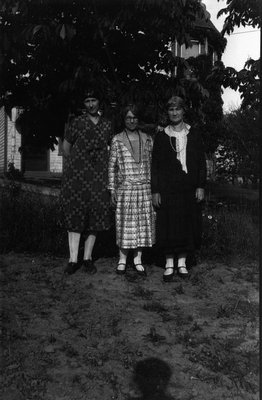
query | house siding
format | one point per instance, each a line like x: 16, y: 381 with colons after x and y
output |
x: 55, y: 161
x: 10, y: 142
x: 13, y: 142
x: 2, y: 141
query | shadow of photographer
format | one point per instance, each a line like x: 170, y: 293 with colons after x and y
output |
x: 152, y: 376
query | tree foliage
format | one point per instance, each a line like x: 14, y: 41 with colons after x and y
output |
x: 241, y: 12
x: 51, y: 49
x: 238, y: 152
x: 249, y: 84
x: 246, y: 81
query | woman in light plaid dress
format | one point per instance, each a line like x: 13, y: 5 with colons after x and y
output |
x: 129, y: 184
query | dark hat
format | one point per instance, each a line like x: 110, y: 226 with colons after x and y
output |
x: 176, y: 101
x: 92, y: 92
x: 130, y: 107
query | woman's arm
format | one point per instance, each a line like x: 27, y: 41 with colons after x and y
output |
x: 66, y: 148
x: 71, y: 134
x: 202, y: 172
x: 156, y: 198
x: 112, y: 171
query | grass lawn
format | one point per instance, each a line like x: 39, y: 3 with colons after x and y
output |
x: 87, y: 337
x: 108, y: 337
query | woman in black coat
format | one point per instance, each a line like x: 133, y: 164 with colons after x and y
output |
x: 177, y: 183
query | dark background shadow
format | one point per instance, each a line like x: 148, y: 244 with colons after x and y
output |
x: 152, y: 376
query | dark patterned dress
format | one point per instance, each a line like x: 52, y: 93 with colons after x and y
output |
x: 84, y: 196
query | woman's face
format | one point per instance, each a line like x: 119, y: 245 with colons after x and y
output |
x: 91, y: 105
x: 131, y: 121
x: 175, y: 114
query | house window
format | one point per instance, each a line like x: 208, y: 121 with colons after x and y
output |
x: 203, y: 48
x: 215, y: 57
x: 194, y: 50
x: 176, y: 49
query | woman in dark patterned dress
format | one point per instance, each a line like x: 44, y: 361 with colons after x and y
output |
x: 85, y: 199
x: 177, y: 183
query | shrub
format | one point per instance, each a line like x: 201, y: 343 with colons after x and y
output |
x: 30, y: 223
x: 230, y: 229
x: 13, y: 173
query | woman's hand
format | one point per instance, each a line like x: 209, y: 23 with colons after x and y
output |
x: 159, y: 128
x: 200, y: 194
x: 113, y: 198
x: 156, y: 199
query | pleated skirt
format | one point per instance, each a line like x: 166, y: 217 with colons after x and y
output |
x: 135, y: 217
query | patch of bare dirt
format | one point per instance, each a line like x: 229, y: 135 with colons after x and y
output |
x: 85, y: 337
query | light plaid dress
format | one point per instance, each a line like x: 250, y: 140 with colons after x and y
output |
x: 135, y: 216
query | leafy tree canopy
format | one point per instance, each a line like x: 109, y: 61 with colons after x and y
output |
x: 51, y: 49
x: 241, y: 12
x: 246, y: 81
x: 238, y: 152
x: 245, y: 13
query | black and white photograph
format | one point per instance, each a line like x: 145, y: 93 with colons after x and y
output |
x: 130, y: 186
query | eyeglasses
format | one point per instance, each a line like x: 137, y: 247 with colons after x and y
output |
x: 131, y: 118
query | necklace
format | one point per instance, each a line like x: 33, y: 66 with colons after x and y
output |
x: 172, y: 144
x: 140, y: 149
x: 177, y: 149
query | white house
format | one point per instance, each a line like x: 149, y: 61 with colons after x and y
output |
x: 42, y: 163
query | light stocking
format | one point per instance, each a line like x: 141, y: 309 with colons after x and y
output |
x: 73, y: 242
x: 169, y: 264
x: 89, y: 245
x: 138, y: 260
x: 182, y: 263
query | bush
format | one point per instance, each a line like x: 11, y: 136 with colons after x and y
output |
x: 33, y: 223
x: 13, y: 173
x: 230, y: 229
x: 30, y: 223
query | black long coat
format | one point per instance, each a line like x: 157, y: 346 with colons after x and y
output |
x: 178, y: 226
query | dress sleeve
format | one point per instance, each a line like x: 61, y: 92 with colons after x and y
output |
x: 111, y: 132
x: 72, y: 131
x: 155, y: 165
x: 202, y: 168
x: 112, y: 167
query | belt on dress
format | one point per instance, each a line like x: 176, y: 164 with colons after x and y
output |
x: 132, y: 182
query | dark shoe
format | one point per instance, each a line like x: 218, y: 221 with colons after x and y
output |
x: 89, y: 267
x: 121, y: 271
x: 169, y: 277
x: 141, y: 273
x: 184, y: 274
x: 71, y: 268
